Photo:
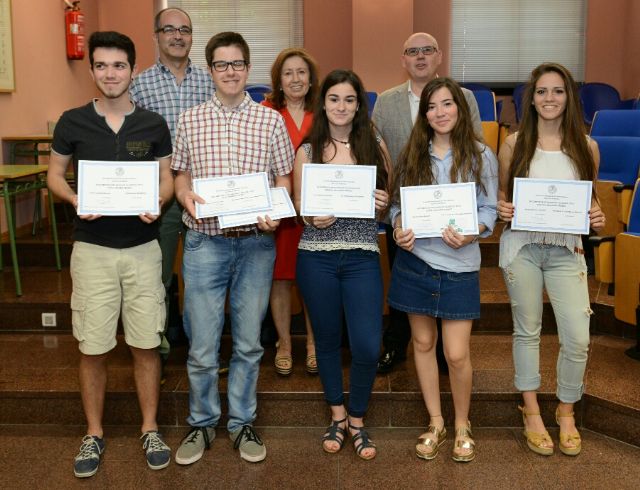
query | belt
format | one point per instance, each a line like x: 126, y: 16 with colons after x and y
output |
x: 577, y: 250
x: 240, y: 233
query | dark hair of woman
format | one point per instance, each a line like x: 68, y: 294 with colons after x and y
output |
x: 276, y: 96
x: 414, y: 163
x: 574, y: 142
x: 362, y: 139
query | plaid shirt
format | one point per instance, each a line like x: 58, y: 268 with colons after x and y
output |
x: 155, y: 89
x: 213, y: 141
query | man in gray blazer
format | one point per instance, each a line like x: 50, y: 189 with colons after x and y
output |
x: 394, y: 114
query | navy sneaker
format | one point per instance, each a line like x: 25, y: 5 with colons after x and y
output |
x: 88, y: 459
x: 157, y: 452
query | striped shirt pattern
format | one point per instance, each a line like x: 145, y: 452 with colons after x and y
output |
x: 213, y: 141
x: 156, y: 89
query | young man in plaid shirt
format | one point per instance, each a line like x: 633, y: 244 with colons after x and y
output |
x: 228, y: 135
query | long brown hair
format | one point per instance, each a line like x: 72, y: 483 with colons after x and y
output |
x: 574, y: 142
x: 276, y: 96
x: 414, y: 163
x: 364, y: 146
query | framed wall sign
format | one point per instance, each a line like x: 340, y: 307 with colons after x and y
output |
x: 7, y: 78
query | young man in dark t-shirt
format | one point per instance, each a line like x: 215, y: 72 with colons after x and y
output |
x: 116, y: 260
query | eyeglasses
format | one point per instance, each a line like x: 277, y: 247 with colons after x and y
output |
x: 237, y: 65
x: 171, y: 30
x: 426, y: 50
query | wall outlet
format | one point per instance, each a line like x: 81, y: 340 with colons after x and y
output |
x: 50, y: 341
x: 49, y: 320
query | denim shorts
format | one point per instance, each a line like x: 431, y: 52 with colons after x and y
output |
x: 418, y: 288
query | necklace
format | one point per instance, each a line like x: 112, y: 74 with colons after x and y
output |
x: 345, y: 143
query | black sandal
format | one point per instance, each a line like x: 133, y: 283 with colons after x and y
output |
x: 362, y: 441
x: 335, y: 433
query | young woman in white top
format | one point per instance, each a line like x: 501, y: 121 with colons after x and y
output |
x: 551, y: 143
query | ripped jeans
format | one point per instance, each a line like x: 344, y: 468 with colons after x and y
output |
x: 564, y: 276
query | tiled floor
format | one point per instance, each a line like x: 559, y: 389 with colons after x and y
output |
x: 37, y: 456
x: 42, y: 457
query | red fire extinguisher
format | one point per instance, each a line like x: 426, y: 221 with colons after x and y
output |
x: 74, y: 27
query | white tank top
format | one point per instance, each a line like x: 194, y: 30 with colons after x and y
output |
x: 544, y: 165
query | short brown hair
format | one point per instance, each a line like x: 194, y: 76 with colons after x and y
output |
x: 224, y: 39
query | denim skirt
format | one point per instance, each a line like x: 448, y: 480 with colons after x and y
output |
x: 418, y: 288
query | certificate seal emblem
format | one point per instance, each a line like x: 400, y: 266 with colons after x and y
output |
x: 231, y: 184
x: 119, y: 171
x: 552, y: 189
x: 339, y: 174
x: 437, y: 194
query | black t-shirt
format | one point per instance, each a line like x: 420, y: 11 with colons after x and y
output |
x: 85, y: 134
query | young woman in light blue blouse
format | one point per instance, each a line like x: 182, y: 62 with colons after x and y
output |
x: 438, y: 277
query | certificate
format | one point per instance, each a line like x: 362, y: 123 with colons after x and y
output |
x: 233, y: 194
x: 429, y: 209
x: 117, y: 188
x: 282, y: 207
x: 560, y: 206
x: 343, y: 191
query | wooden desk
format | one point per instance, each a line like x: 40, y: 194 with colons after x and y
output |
x: 31, y: 144
x: 21, y: 179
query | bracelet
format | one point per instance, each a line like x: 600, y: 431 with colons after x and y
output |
x: 304, y: 220
x: 395, y: 239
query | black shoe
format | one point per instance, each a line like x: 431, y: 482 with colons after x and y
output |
x: 223, y: 367
x: 389, y: 359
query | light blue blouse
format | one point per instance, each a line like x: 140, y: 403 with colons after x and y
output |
x: 434, y: 251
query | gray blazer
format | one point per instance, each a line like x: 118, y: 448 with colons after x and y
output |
x: 392, y: 117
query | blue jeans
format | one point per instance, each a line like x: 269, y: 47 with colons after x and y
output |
x: 211, y: 265
x: 329, y: 282
x: 564, y: 275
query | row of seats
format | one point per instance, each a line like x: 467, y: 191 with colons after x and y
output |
x: 617, y: 261
x: 595, y: 97
x: 617, y: 133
